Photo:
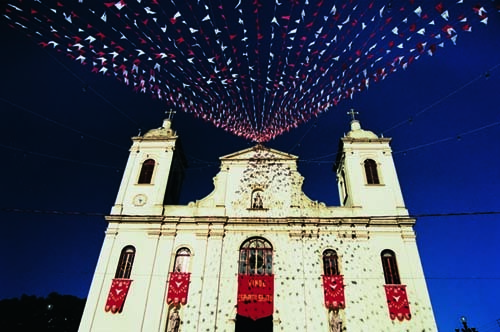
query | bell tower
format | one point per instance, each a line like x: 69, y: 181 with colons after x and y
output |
x: 153, y: 175
x: 366, y: 174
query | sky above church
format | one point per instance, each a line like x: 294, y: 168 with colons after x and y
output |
x: 66, y: 124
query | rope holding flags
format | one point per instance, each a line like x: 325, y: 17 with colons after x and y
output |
x: 254, y: 68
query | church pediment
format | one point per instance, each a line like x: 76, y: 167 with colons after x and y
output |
x: 259, y: 182
x: 257, y: 152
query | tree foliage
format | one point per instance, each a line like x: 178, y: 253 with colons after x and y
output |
x: 54, y: 313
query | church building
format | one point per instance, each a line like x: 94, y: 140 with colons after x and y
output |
x: 257, y: 254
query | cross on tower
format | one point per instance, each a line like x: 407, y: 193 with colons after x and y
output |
x: 170, y: 114
x: 352, y: 113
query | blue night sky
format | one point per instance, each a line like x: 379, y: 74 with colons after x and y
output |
x: 65, y: 134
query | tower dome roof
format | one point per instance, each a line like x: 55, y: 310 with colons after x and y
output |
x: 163, y: 131
x: 358, y: 132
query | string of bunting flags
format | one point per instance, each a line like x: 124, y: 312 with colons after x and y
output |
x: 254, y: 68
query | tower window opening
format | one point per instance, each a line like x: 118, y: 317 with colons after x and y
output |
x: 125, y: 263
x: 147, y: 169
x: 390, y: 267
x: 256, y: 257
x: 182, y: 258
x: 343, y: 183
x: 371, y: 172
x: 330, y: 263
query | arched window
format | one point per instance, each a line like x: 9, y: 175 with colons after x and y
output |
x: 371, y: 172
x: 125, y: 263
x: 256, y: 257
x: 330, y: 263
x: 182, y: 260
x: 390, y: 267
x: 147, y: 169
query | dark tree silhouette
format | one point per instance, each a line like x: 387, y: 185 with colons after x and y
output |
x: 55, y: 313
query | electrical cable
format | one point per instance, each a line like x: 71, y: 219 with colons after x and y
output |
x: 61, y: 124
x: 38, y: 154
x: 417, y: 215
x: 442, y: 140
x: 490, y: 326
x: 314, y: 160
x: 313, y: 125
x: 486, y: 75
x: 94, y: 91
x: 420, y: 146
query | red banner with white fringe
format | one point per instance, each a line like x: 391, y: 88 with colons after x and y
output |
x: 117, y: 294
x: 255, y: 296
x: 178, y: 287
x: 397, y: 301
x: 333, y: 287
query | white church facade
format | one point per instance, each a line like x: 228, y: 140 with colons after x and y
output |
x: 257, y: 254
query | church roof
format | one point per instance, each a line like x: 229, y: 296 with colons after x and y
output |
x: 358, y: 132
x: 258, y: 152
x: 163, y: 132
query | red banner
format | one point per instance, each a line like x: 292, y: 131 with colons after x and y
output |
x: 117, y: 294
x: 178, y: 287
x: 255, y: 295
x: 397, y: 301
x: 334, y: 291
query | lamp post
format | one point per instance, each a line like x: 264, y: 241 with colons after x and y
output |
x: 466, y: 328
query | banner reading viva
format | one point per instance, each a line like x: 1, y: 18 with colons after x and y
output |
x: 255, y: 295
x: 117, y: 294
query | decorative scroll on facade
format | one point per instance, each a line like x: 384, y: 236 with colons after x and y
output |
x: 117, y: 294
x: 255, y: 295
x: 334, y: 291
x: 397, y: 301
x: 178, y: 287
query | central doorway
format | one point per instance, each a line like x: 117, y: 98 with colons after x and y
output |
x: 255, y: 286
x: 245, y: 324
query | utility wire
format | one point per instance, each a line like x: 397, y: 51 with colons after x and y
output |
x: 490, y: 326
x: 53, y: 212
x: 418, y: 215
x: 94, y: 91
x: 60, y: 124
x: 442, y: 140
x: 306, y: 276
x: 486, y: 75
x: 313, y: 125
x: 315, y: 160
x: 38, y: 154
x: 416, y: 147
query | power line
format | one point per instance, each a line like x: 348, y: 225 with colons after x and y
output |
x: 94, y: 91
x: 486, y: 75
x: 418, y: 215
x: 53, y: 212
x: 490, y: 326
x: 315, y: 160
x: 60, y: 124
x: 416, y: 147
x: 313, y: 125
x: 456, y: 137
x: 38, y: 154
